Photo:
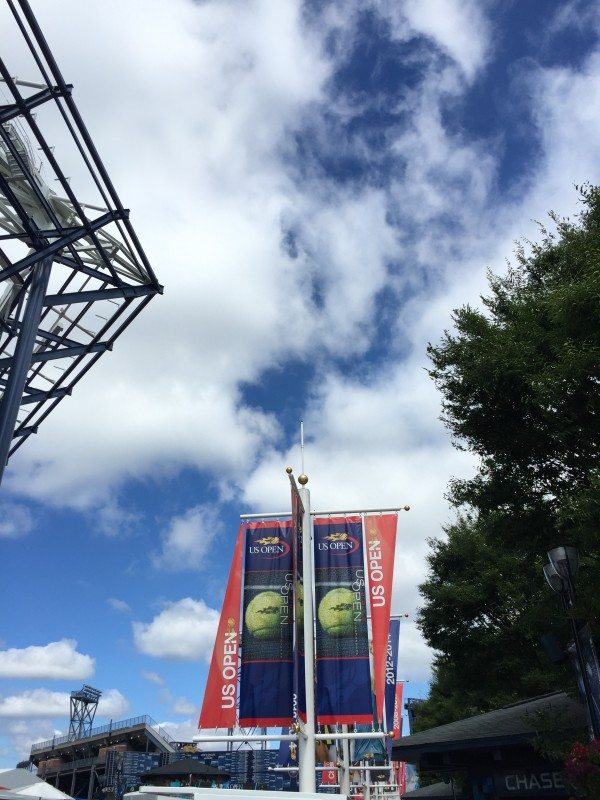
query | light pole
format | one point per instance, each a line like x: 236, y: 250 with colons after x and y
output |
x: 560, y: 573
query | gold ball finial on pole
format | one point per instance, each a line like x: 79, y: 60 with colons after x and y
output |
x: 407, y: 508
x: 303, y: 479
x: 289, y: 470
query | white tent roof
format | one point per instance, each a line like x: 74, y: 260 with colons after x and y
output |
x: 17, y: 778
x: 43, y: 790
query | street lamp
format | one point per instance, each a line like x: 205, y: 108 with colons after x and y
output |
x: 560, y: 573
x: 565, y: 561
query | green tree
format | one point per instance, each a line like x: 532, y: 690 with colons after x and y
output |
x: 520, y: 382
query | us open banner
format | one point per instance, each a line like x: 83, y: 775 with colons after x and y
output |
x: 218, y: 706
x: 397, y: 728
x: 299, y: 669
x: 380, y: 539
x: 266, y: 683
x: 342, y: 643
x: 391, y: 675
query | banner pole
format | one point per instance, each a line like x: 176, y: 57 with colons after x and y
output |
x: 306, y: 746
x: 345, y: 781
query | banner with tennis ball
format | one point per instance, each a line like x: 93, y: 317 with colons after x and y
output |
x: 380, y: 541
x: 266, y: 682
x: 220, y: 695
x: 299, y: 668
x: 342, y: 642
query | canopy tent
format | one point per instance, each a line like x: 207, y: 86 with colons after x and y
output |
x: 14, y: 779
x: 43, y: 790
x: 20, y: 783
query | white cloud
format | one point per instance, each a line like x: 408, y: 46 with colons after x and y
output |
x: 184, y: 631
x: 119, y: 605
x: 569, y: 155
x: 54, y: 661
x: 459, y: 27
x: 185, y: 732
x: 112, y: 519
x: 112, y: 704
x: 187, y: 539
x: 45, y: 703
x: 15, y: 521
x: 35, y: 703
x: 153, y: 677
x: 22, y: 733
x: 183, y: 706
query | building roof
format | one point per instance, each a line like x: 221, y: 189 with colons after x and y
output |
x: 141, y: 733
x: 186, y: 766
x: 511, y: 724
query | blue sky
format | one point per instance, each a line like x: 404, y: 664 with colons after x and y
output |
x: 317, y: 185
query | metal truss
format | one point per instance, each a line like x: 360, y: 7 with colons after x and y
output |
x: 73, y: 274
x: 84, y: 703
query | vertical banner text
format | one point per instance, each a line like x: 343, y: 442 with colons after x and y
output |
x: 220, y: 695
x: 391, y: 676
x: 380, y: 542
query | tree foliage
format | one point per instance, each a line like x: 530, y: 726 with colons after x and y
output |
x: 520, y: 383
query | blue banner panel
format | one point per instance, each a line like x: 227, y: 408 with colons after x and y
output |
x: 266, y: 682
x: 391, y: 676
x: 342, y: 642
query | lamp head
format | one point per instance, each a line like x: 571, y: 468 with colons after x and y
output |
x: 565, y: 561
x: 555, y: 582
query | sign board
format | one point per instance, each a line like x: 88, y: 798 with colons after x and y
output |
x: 526, y: 783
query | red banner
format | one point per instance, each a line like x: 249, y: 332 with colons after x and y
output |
x: 400, y: 771
x: 380, y: 536
x: 397, y: 729
x: 220, y: 695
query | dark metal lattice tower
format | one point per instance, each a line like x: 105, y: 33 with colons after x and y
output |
x: 73, y: 274
x: 84, y: 703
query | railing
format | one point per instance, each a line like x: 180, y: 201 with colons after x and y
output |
x: 103, y: 729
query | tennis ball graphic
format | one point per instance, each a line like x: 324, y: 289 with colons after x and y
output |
x: 335, y: 612
x: 263, y: 615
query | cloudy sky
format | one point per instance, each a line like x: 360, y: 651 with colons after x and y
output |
x: 317, y: 184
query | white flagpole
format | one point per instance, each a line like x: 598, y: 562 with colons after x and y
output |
x: 306, y: 743
x: 306, y: 746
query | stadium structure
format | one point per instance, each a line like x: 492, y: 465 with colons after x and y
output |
x: 73, y: 274
x: 109, y: 760
x: 103, y: 757
x: 94, y: 762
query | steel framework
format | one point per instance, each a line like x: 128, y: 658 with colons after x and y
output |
x: 73, y: 274
x: 84, y: 703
